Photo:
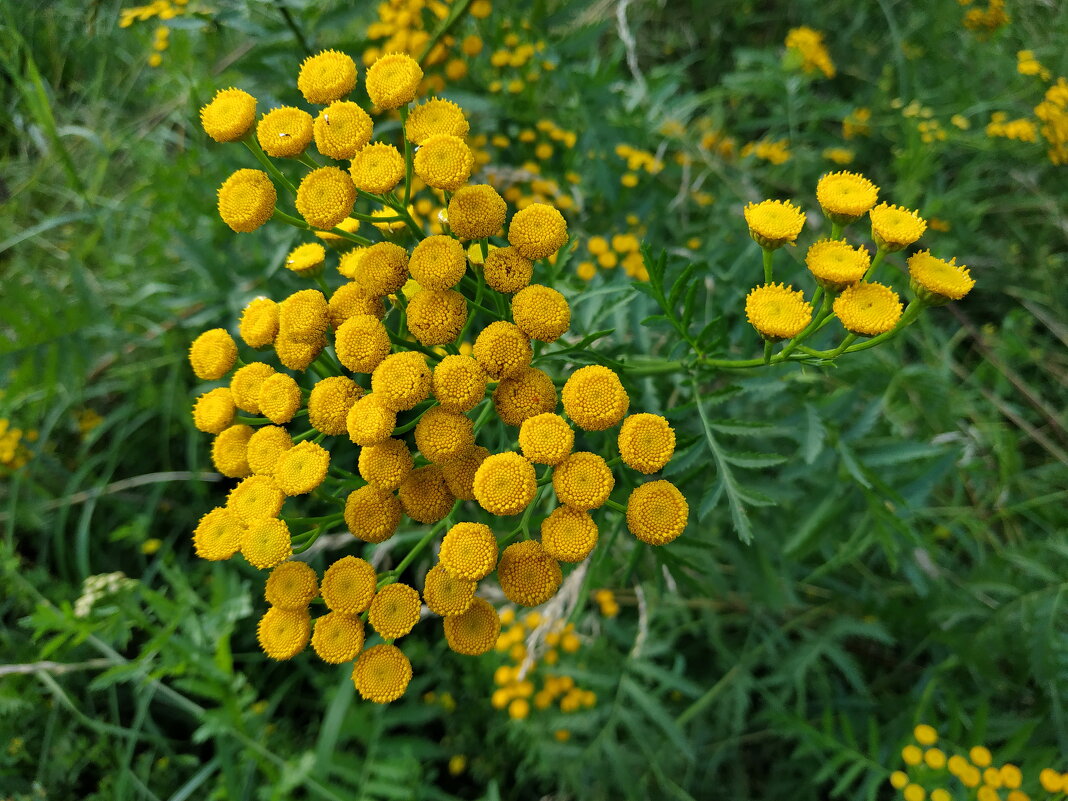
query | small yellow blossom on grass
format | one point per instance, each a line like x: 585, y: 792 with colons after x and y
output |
x: 777, y: 311
x: 229, y: 116
x: 527, y: 574
x: 246, y: 200
x: 342, y: 129
x: 284, y: 633
x: 845, y: 196
x: 938, y: 281
x: 393, y: 80
x: 868, y: 309
x: 835, y: 264
x: 382, y: 673
x: 657, y: 512
x: 306, y: 259
x: 285, y: 132
x: 808, y: 44
x: 894, y: 228
x: 444, y: 162
x: 774, y: 223
x: 326, y: 77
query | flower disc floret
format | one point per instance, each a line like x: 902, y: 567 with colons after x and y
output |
x: 441, y: 435
x: 218, y: 535
x: 537, y: 231
x: 383, y: 269
x: 330, y: 402
x: 214, y: 411
x: 476, y: 212
x: 370, y: 421
x: 469, y: 551
x: 266, y: 542
x: 436, y: 317
x: 372, y: 513
x: 583, y: 480
x: 326, y: 77
x: 868, y: 309
x: 541, y: 313
x: 474, y: 631
x: 646, y: 442
x: 393, y: 80
x: 325, y: 197
x: 568, y: 534
x: 657, y: 512
x: 386, y: 464
x: 774, y: 223
x: 438, y: 262
x: 337, y: 638
x: 401, y: 380
x: 425, y: 495
x: 306, y: 259
x: 435, y: 116
x: 361, y: 343
x: 835, y: 264
x: 394, y: 611
x: 303, y: 316
x: 259, y: 322
x: 246, y: 200
x: 444, y: 162
x: 446, y: 595
x: 229, y: 116
x: 255, y: 497
x: 894, y: 228
x: 279, y: 398
x: 527, y: 574
x: 246, y: 384
x: 302, y: 468
x: 229, y: 451
x: 527, y: 393
x: 212, y: 354
x: 459, y: 472
x: 594, y: 398
x: 285, y: 132
x: 546, y: 438
x: 459, y: 383
x: 507, y: 270
x: 846, y: 196
x: 284, y: 633
x: 381, y: 674
x: 505, y: 484
x: 342, y: 129
x: 936, y: 280
x: 502, y: 350
x: 348, y: 585
x: 377, y: 168
x: 777, y: 311
x: 292, y: 585
x: 351, y: 299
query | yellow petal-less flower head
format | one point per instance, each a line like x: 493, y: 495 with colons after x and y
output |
x: 259, y: 323
x: 266, y: 542
x: 446, y: 595
x: 381, y: 674
x: 218, y: 535
x: 912, y: 754
x: 459, y: 472
x: 386, y: 464
x: 342, y: 129
x: 306, y: 260
x: 383, y: 269
x: 541, y: 312
x: 370, y: 421
x: 285, y: 132
x: 476, y: 212
x: 393, y: 80
x: 937, y: 281
x: 527, y: 574
x: 980, y: 756
x: 303, y: 316
x: 435, y: 116
x: 292, y: 585
x: 646, y: 442
x: 1051, y: 780
x: 925, y: 734
x: 302, y: 468
x: 474, y: 631
x: 468, y: 551
x: 835, y: 264
x: 537, y: 231
x: 372, y: 513
x: 295, y: 354
x: 459, y: 383
x: 898, y: 779
x: 894, y: 228
x: 377, y: 169
x: 255, y: 497
x: 229, y: 451
x: 507, y: 270
x: 326, y: 77
x: 214, y: 411
x: 546, y: 438
x: 325, y: 197
x: 425, y: 495
x: 568, y: 534
x: 229, y: 116
x: 401, y: 380
x: 246, y: 383
x: 936, y: 759
x: 246, y: 200
x: 361, y: 343
x: 505, y: 484
x: 502, y: 350
x: 657, y: 512
x: 438, y: 262
x: 348, y: 585
x: 914, y: 792
x: 594, y: 398
x: 846, y: 196
x: 774, y: 223
x: 444, y: 162
x: 279, y: 398
x: 394, y: 611
x: 777, y: 311
x: 527, y: 393
x: 436, y: 317
x: 868, y: 309
x: 351, y: 299
x: 212, y: 354
x: 284, y: 633
x: 441, y: 435
x: 583, y: 480
x: 337, y: 637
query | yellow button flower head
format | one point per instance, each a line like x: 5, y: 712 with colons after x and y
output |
x: 868, y: 309
x: 774, y: 223
x: 259, y: 322
x: 213, y: 354
x: 441, y: 435
x: 528, y: 576
x: 285, y: 132
x: 386, y: 464
x: 435, y: 116
x: 266, y: 542
x: 898, y: 779
x: 229, y: 451
x: 437, y: 318
x: 337, y: 638
x: 502, y: 350
x: 370, y: 421
x: 777, y: 311
x: 246, y: 200
x: 394, y: 611
x: 894, y: 228
x: 507, y: 270
x: 646, y: 442
x: 393, y: 80
x: 459, y: 383
x: 401, y: 380
x: 528, y: 393
x: 583, y: 480
x: 303, y: 316
x: 218, y: 535
x: 348, y: 585
x: 925, y: 734
x: 594, y: 398
x: 326, y: 77
x: 325, y: 197
x: 1051, y: 780
x: 911, y: 755
x: 306, y: 260
x: 936, y: 758
x: 568, y: 534
x: 372, y: 513
x: 377, y: 169
x: 424, y: 494
x: 937, y: 281
x: 229, y: 116
x: 292, y: 585
x: 382, y: 674
x: 657, y: 512
x: 446, y: 595
x: 330, y: 402
x: 284, y: 633
x: 383, y: 269
x: 835, y: 264
x: 361, y: 343
x: 808, y: 44
x: 537, y: 231
x: 297, y: 355
x: 255, y: 497
x: 246, y: 383
x: 444, y: 162
x: 302, y: 468
x: 279, y: 398
x: 546, y: 438
x: 341, y: 129
x: 474, y: 631
x: 214, y: 411
x: 914, y: 792
x: 477, y: 212
x: 541, y: 313
x: 468, y: 551
x: 438, y: 262
x: 351, y: 299
x: 846, y: 196
x: 505, y: 484
x: 459, y: 472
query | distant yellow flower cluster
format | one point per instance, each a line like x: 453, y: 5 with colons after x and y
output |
x: 159, y: 9
x: 857, y: 123
x: 985, y: 20
x: 807, y: 45
x: 638, y: 160
x: 607, y: 253
x: 1022, y: 130
x: 515, y: 65
x: 13, y: 453
x: 773, y: 151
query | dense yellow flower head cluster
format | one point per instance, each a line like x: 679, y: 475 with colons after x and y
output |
x: 808, y: 47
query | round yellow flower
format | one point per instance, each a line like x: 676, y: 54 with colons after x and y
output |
x: 361, y: 343
x: 468, y: 551
x: 583, y: 480
x: 259, y: 322
x: 303, y: 316
x: 594, y: 398
x: 326, y: 77
x: 868, y: 309
x: 476, y: 212
x: 292, y: 585
x: 914, y: 792
x: 774, y: 223
x: 435, y: 116
x: 938, y: 281
x: 383, y: 269
x: 502, y: 350
x: 846, y: 196
x: 266, y: 542
x: 218, y: 535
x: 527, y: 574
x: 246, y: 383
x: 348, y: 585
x: 526, y: 393
x: 337, y: 638
x: 212, y: 354
x: 1051, y: 780
x: 444, y: 162
x: 424, y: 494
x: 436, y: 317
x: 255, y: 497
x: 393, y: 80
x: 370, y: 421
x: 546, y: 438
x: 459, y: 383
x: 505, y: 484
x: 351, y: 299
x: 537, y: 231
x: 459, y: 472
x: 438, y: 262
x: 441, y: 435
x: 306, y: 259
x: 284, y: 633
x: 297, y: 355
x: 385, y: 464
x: 377, y: 169
x: 777, y: 311
x: 568, y: 534
x: 229, y: 116
x: 898, y: 779
x: 657, y: 512
x: 980, y: 755
x: 302, y: 468
x: 541, y: 313
x: 507, y: 271
x: 925, y: 734
x: 381, y: 674
x: 229, y: 451
x: 284, y: 132
x: 446, y: 595
x: 401, y: 380
x: 394, y: 611
x: 835, y: 264
x: 342, y: 129
x: 894, y: 228
x: 329, y: 404
x: 279, y: 398
x: 474, y: 631
x: 646, y: 442
x: 372, y: 513
x: 325, y: 197
x: 214, y: 411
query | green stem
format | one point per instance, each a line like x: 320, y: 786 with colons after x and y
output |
x: 424, y: 541
x: 253, y: 145
x: 814, y: 324
x: 617, y: 506
x: 910, y: 313
x: 836, y: 230
x: 293, y: 27
x: 767, y: 264
x: 879, y: 256
x: 296, y: 222
x: 408, y: 161
x: 767, y: 351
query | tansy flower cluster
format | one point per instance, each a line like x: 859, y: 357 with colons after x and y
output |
x: 516, y: 65
x: 805, y: 46
x: 985, y: 20
x: 162, y: 10
x: 13, y: 453
x: 607, y: 253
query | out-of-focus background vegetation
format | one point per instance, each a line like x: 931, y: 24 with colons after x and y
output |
x: 877, y: 544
